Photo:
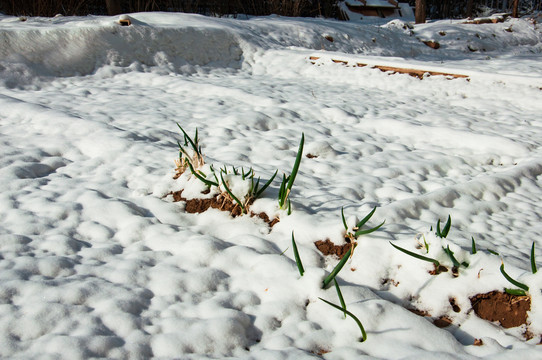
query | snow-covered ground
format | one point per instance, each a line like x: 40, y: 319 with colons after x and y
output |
x: 97, y: 262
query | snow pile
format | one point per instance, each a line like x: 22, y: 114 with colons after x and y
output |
x: 70, y: 46
x: 96, y: 260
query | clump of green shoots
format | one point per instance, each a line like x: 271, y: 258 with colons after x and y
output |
x: 523, y: 289
x: 254, y: 190
x: 288, y: 181
x: 351, y: 236
x: 438, y: 267
x: 191, y: 157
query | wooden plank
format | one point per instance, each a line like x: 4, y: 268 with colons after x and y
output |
x: 397, y: 70
x: 414, y: 72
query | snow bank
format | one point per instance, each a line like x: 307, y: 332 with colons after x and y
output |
x: 183, y: 43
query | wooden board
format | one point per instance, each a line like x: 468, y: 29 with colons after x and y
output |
x: 396, y: 70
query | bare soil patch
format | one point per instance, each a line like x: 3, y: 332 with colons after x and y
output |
x: 508, y: 310
x: 328, y: 248
x: 196, y: 206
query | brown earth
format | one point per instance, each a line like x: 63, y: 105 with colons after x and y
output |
x: 508, y: 310
x: 220, y: 202
x: 328, y: 248
x: 454, y: 306
x: 478, y: 342
x: 442, y: 322
x: 432, y: 44
x: 438, y: 270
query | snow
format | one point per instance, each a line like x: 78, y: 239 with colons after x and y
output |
x: 97, y: 261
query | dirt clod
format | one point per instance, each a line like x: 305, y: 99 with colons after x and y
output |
x: 454, y: 306
x: 432, y: 44
x: 508, y: 310
x: 265, y: 218
x: 438, y: 270
x: 418, y: 312
x: 442, y: 322
x: 328, y: 248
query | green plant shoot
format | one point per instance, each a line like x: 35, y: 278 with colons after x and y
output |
x: 297, y: 258
x: 201, y: 178
x: 450, y: 254
x: 357, y: 229
x: 193, y: 143
x: 337, y: 268
x: 340, y: 295
x: 258, y: 192
x: 363, y: 333
x: 288, y: 182
x: 417, y: 256
x: 444, y: 232
x: 533, y: 261
x: 243, y: 208
x: 524, y: 287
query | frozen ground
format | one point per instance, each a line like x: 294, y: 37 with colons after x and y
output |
x: 95, y: 261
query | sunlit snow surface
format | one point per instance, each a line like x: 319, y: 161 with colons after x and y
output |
x: 95, y: 261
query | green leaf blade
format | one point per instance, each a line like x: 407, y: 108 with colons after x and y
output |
x: 417, y: 256
x: 205, y: 181
x: 533, y: 261
x: 297, y: 162
x: 265, y: 186
x: 337, y: 268
x: 512, y: 281
x: 297, y: 257
x: 447, y: 227
x: 516, y: 292
x: 344, y: 220
x: 366, y: 218
x: 354, y: 317
x: 282, y: 192
x: 450, y: 254
x: 194, y: 146
x: 340, y: 295
x: 231, y: 194
x: 368, y: 231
